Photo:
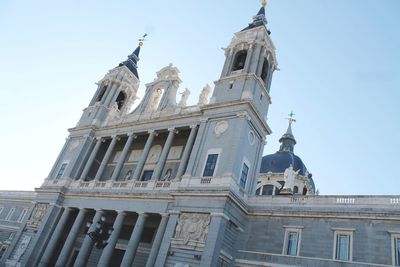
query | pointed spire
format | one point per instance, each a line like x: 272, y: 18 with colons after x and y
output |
x: 287, y: 140
x: 259, y: 19
x: 131, y: 62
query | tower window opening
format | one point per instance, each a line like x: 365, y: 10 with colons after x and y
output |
x: 120, y: 100
x: 305, y: 191
x: 101, y: 95
x: 240, y: 60
x: 268, y: 190
x: 264, y: 73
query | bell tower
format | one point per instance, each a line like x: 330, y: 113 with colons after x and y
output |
x: 249, y: 66
x: 116, y: 91
x: 234, y: 126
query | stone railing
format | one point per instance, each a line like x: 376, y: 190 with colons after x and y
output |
x: 126, y: 186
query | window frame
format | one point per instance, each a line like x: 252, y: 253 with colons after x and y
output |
x: 10, y: 214
x: 394, y: 240
x: 22, y: 215
x: 213, y: 151
x: 247, y: 164
x: 288, y: 231
x: 343, y: 232
x: 61, y: 170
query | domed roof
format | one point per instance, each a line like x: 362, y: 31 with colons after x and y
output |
x: 280, y: 161
x: 284, y: 157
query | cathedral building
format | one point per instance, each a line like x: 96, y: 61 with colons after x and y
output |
x: 167, y: 184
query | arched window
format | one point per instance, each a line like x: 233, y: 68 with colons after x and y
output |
x: 268, y: 190
x: 240, y: 60
x: 120, y: 100
x: 295, y: 190
x: 265, y: 68
x: 305, y: 191
x: 102, y: 92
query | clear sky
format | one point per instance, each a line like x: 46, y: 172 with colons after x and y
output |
x: 339, y: 72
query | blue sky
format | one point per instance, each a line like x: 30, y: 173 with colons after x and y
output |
x: 339, y: 71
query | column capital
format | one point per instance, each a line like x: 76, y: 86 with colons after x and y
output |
x: 174, y: 212
x: 220, y: 214
x: 204, y: 120
x: 142, y: 213
x: 131, y: 134
x: 153, y: 132
x: 164, y: 214
x: 193, y: 126
x: 174, y: 130
x: 122, y: 212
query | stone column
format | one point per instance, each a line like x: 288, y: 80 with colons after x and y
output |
x: 87, y: 244
x: 166, y: 240
x: 109, y: 249
x: 123, y: 156
x: 260, y: 65
x: 55, y: 238
x: 91, y: 159
x: 228, y: 60
x: 186, y: 152
x: 164, y: 154
x: 106, y: 158
x: 143, y: 157
x: 213, y: 244
x: 157, y: 240
x: 133, y: 243
x: 256, y: 62
x: 111, y: 93
x: 69, y: 243
x: 248, y: 59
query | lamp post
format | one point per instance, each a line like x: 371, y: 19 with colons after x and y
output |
x: 101, y: 233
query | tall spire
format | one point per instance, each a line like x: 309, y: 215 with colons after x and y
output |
x: 131, y: 62
x: 259, y: 19
x: 287, y: 140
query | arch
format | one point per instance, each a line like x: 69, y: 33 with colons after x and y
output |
x: 304, y: 191
x: 265, y: 70
x: 267, y: 190
x: 101, y: 94
x: 295, y: 190
x: 120, y: 100
x: 240, y: 60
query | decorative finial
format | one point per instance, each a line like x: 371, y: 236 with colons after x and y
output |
x: 141, y: 40
x: 263, y: 3
x: 290, y: 119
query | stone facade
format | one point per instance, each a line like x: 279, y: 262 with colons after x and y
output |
x: 174, y: 185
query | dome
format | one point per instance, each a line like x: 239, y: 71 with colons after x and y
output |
x: 280, y: 161
x: 284, y: 157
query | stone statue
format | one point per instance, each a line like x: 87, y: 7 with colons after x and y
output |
x: 192, y: 227
x: 289, y: 175
x: 155, y: 100
x: 167, y: 175
x: 128, y: 175
x: 185, y: 95
x: 205, y: 93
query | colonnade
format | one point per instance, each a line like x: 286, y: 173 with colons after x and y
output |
x: 157, y: 172
x: 87, y: 244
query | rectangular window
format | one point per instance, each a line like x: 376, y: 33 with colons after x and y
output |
x: 147, y: 175
x: 22, y: 216
x: 397, y: 251
x: 243, y: 175
x: 61, y: 170
x: 210, y: 165
x: 10, y: 213
x: 292, y: 243
x: 343, y: 246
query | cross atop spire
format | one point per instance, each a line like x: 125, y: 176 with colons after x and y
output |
x: 259, y: 19
x: 290, y: 119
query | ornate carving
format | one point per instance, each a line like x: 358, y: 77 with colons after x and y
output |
x: 37, y: 215
x: 205, y: 93
x: 192, y: 227
x: 221, y: 127
x: 154, y: 154
x: 25, y: 239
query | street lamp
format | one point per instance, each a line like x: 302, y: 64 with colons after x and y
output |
x: 101, y: 233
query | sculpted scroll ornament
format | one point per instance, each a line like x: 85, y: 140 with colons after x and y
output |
x: 22, y: 247
x: 192, y: 227
x: 220, y: 128
x: 37, y: 215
